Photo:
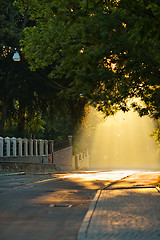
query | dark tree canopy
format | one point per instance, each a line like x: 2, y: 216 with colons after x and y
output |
x: 108, y: 51
x: 29, y: 101
x: 102, y: 52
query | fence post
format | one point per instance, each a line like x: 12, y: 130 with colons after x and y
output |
x: 35, y: 152
x: 87, y: 153
x: 8, y: 144
x: 1, y: 147
x: 46, y: 147
x: 50, y: 146
x: 25, y: 142
x: 14, y: 142
x: 77, y: 161
x: 41, y: 147
x: 19, y: 140
x: 30, y: 147
x: 50, y: 151
x: 70, y: 140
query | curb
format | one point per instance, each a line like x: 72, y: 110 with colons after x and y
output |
x: 86, y: 221
x: 11, y: 174
x: 158, y: 189
x: 82, y: 234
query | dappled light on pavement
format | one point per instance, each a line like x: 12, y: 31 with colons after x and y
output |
x: 96, y: 180
x: 126, y: 214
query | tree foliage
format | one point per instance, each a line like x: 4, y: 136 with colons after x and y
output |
x: 29, y: 101
x: 156, y: 133
x: 108, y: 51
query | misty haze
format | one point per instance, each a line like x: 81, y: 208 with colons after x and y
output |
x: 124, y: 141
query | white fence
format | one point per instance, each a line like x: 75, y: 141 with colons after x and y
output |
x: 36, y: 151
x: 24, y: 147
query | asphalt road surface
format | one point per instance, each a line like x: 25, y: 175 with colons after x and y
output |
x: 48, y: 207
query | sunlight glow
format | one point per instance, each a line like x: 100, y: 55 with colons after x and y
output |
x: 112, y: 175
x: 123, y: 141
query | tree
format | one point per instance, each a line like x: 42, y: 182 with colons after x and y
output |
x: 156, y: 133
x: 11, y: 27
x: 25, y: 97
x: 108, y: 50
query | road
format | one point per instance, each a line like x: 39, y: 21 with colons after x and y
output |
x: 49, y: 207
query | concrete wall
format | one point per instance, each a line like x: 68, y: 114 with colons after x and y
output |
x: 36, y: 151
x: 40, y: 152
x: 80, y: 161
x: 25, y: 159
x: 63, y: 158
x: 13, y: 167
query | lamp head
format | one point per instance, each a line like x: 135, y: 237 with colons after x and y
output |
x: 16, y: 57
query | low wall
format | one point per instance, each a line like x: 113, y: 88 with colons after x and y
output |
x: 80, y: 161
x: 63, y: 158
x: 25, y: 159
x: 35, y: 151
x: 13, y: 167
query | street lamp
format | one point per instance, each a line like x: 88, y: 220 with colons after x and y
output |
x: 16, y: 57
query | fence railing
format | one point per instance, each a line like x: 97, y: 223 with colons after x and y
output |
x: 81, y: 160
x: 12, y: 147
x: 61, y: 145
x: 42, y: 151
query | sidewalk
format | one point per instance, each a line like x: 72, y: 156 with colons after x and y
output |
x: 128, y: 210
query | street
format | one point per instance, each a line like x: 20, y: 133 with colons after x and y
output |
x: 50, y: 206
